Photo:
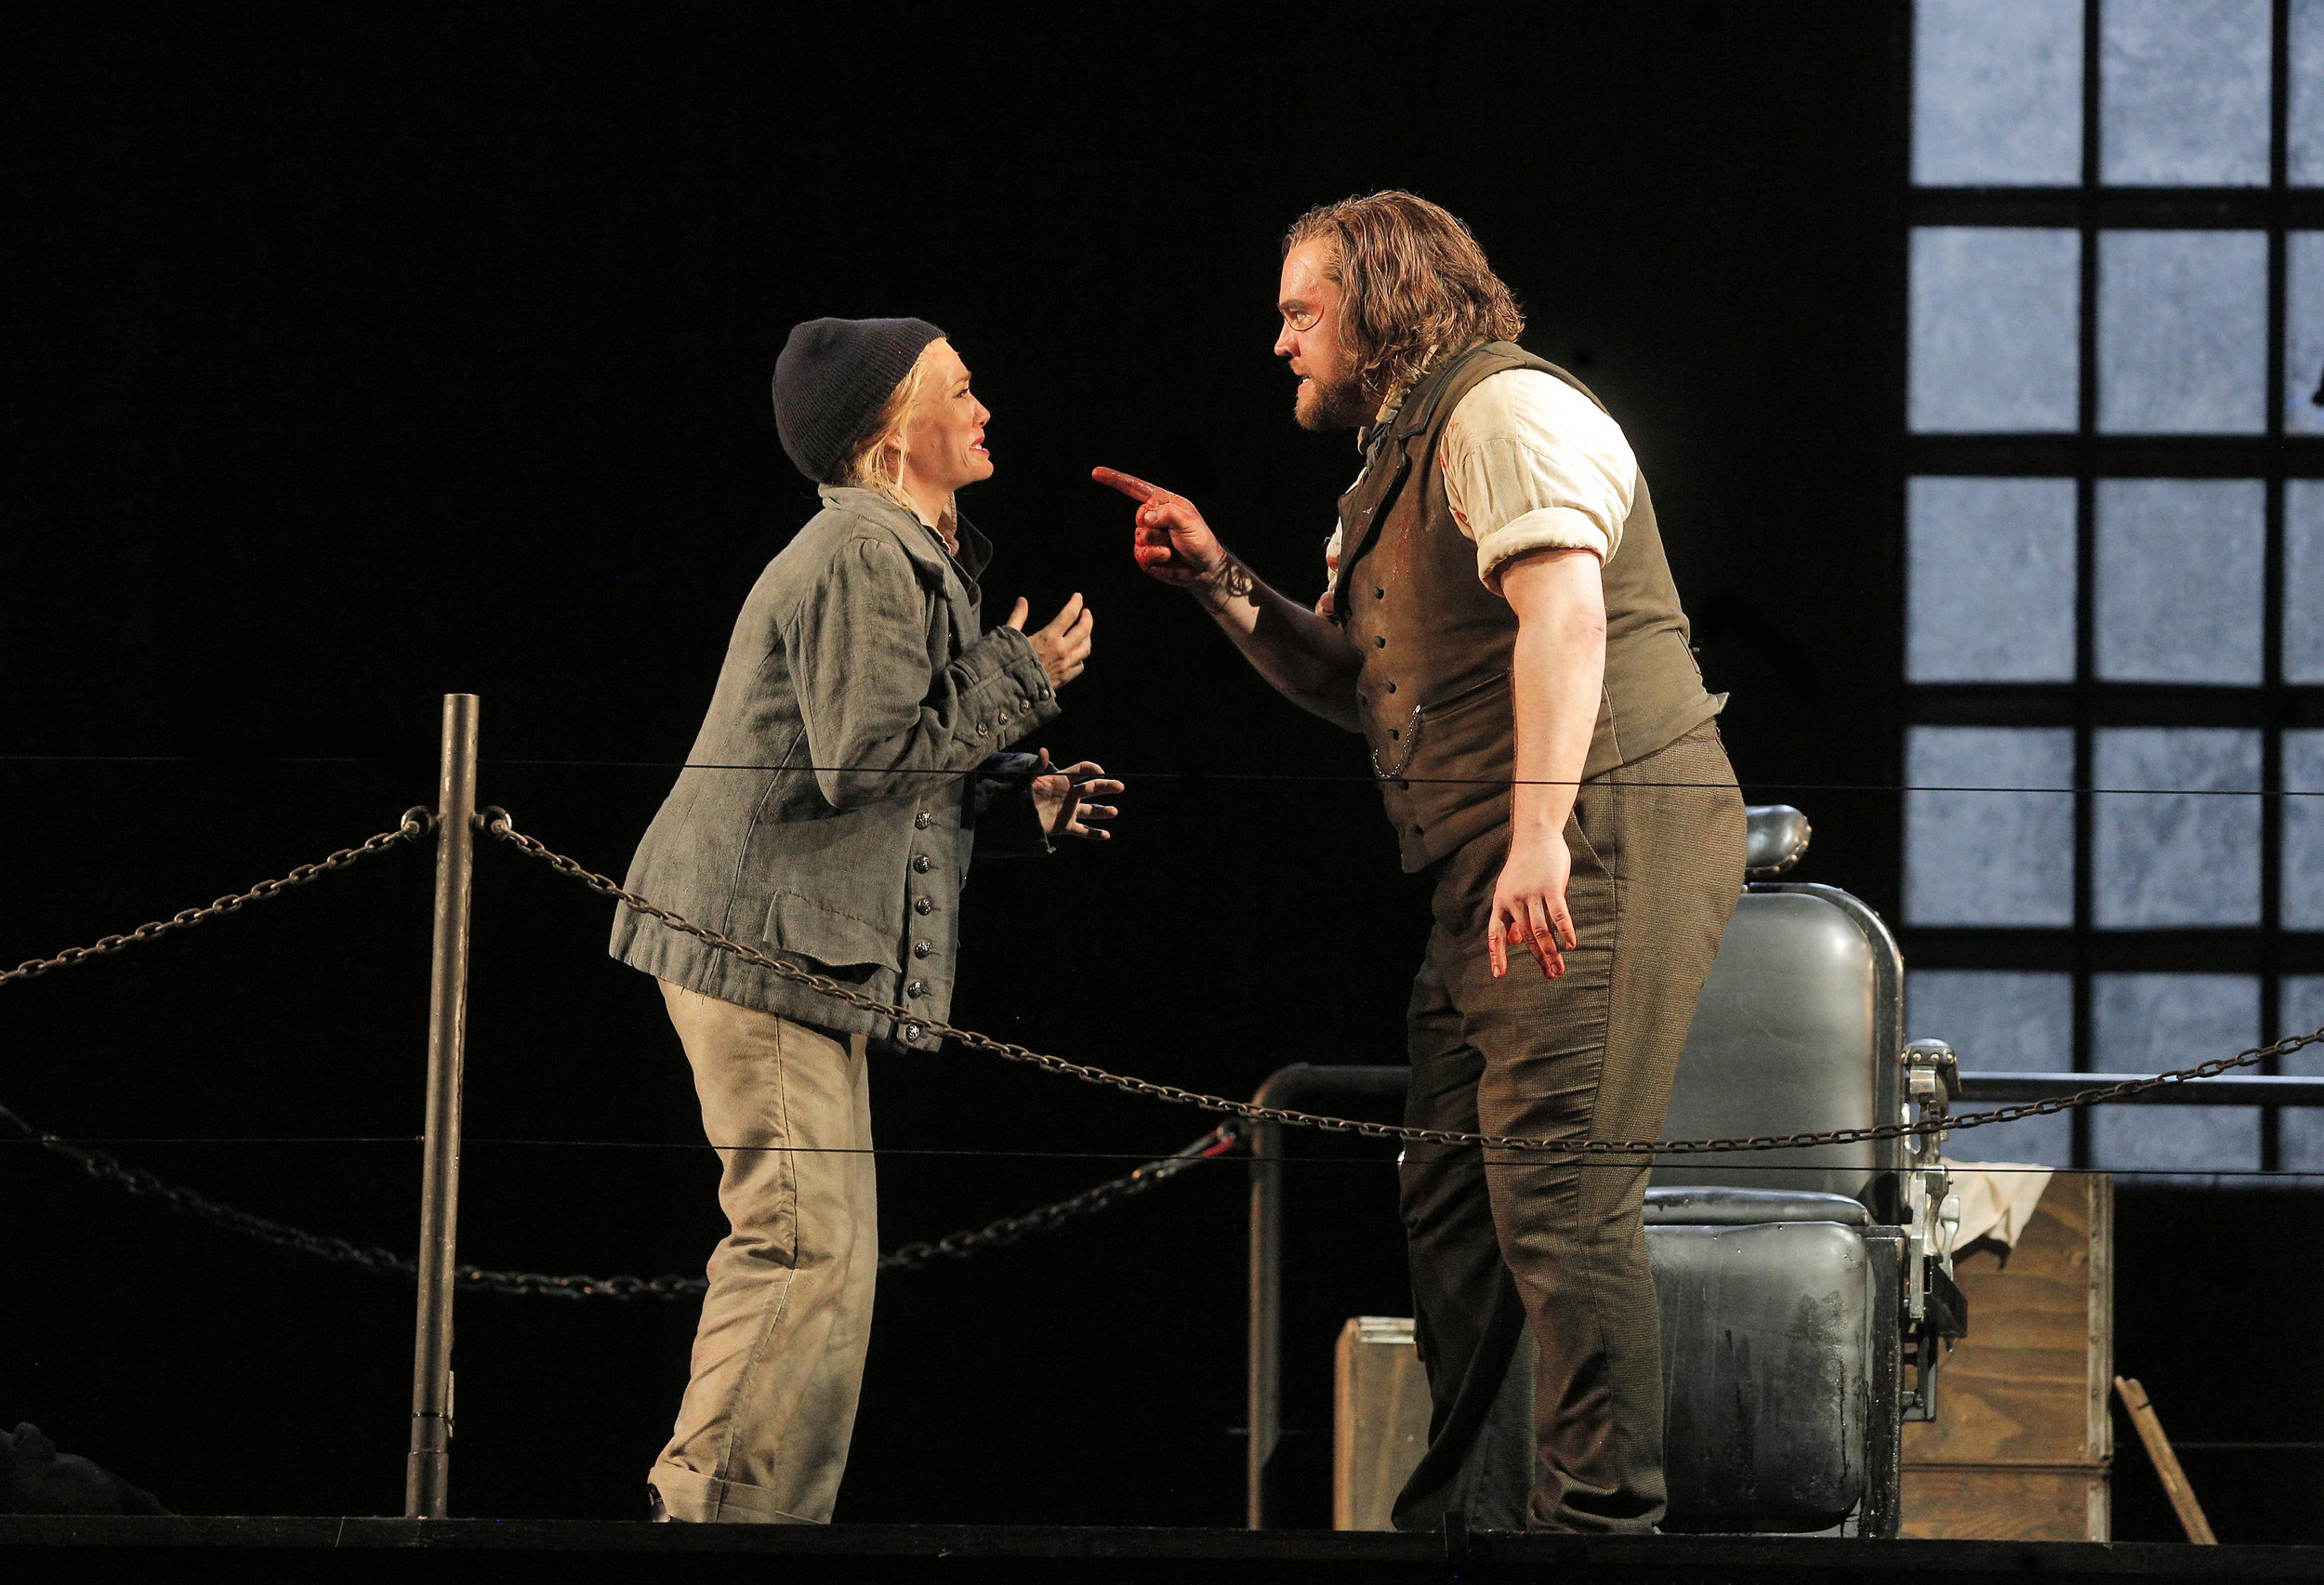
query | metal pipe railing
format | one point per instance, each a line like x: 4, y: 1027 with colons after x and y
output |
x: 2228, y: 1090
x: 428, y: 1471
x: 1301, y: 1085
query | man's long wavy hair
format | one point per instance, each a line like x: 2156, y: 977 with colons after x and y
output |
x: 1415, y: 283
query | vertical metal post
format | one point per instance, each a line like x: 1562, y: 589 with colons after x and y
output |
x: 1300, y: 1084
x: 1265, y: 1407
x: 427, y: 1480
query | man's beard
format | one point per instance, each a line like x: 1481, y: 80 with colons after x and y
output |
x: 1336, y: 405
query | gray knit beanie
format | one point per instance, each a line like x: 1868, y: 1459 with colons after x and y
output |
x: 831, y: 380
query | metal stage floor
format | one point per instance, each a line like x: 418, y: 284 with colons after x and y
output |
x: 261, y: 1550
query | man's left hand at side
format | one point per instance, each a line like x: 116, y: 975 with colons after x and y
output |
x: 1060, y: 799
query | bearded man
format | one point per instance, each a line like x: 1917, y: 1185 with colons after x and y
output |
x: 1501, y: 626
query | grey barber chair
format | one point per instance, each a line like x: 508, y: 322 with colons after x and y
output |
x: 1806, y: 1294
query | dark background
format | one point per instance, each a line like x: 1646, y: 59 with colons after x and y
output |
x: 356, y: 355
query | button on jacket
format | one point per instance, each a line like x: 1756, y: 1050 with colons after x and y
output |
x: 833, y: 797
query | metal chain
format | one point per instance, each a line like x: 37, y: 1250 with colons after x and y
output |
x: 477, y: 1279
x: 143, y: 1184
x: 325, y: 1247
x: 495, y: 822
x: 420, y: 821
x: 416, y: 822
x: 1048, y: 1218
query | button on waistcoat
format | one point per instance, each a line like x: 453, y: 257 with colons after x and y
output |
x: 1436, y: 644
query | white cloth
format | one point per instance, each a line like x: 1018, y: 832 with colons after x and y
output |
x: 1529, y: 464
x: 1997, y: 1199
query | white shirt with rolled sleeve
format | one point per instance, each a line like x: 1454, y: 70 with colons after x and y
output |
x: 1530, y: 464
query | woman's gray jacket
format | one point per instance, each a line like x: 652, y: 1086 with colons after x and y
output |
x: 828, y: 807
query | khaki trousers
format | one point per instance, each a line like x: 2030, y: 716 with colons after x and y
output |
x: 778, y: 1360
x: 1500, y: 1242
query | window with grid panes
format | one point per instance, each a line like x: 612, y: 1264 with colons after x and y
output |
x: 2114, y: 549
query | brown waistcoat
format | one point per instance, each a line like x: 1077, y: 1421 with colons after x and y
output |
x: 1436, y: 643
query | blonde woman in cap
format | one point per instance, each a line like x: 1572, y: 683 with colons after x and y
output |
x: 854, y: 754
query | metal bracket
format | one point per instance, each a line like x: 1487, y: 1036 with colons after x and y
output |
x: 1935, y: 1312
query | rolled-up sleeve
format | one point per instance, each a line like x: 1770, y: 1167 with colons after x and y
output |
x: 1532, y: 464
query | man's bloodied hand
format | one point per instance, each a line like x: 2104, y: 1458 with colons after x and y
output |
x: 1063, y: 647
x: 1061, y: 798
x: 1171, y: 540
x: 1529, y: 907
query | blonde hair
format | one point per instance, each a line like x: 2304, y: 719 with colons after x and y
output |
x: 871, y: 464
x: 1415, y: 279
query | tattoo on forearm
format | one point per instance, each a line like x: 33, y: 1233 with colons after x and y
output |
x: 1233, y: 580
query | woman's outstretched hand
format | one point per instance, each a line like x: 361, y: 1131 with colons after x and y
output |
x: 1063, y: 647
x: 1171, y: 541
x: 1060, y: 799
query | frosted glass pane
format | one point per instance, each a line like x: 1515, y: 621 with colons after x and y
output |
x: 2300, y: 1130
x: 2179, y: 595
x: 1989, y: 580
x: 2306, y: 155
x: 2179, y: 857
x: 2149, y: 1024
x: 2303, y: 332
x: 2006, y: 1023
x: 2301, y: 906
x: 1995, y: 342
x: 2302, y: 1005
x: 1989, y: 858
x: 2303, y: 580
x: 2182, y: 331
x: 2182, y: 94
x: 1997, y: 92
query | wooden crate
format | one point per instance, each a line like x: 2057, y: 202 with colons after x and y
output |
x: 2023, y: 1440
x: 1379, y: 1420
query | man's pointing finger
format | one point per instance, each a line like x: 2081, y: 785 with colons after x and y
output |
x: 1129, y: 484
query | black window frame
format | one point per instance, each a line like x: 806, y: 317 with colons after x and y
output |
x: 2086, y: 705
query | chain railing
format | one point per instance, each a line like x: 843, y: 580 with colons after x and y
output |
x: 143, y: 1184
x: 1048, y: 1218
x: 136, y: 1180
x: 960, y: 1246
x: 416, y: 822
x: 497, y: 822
